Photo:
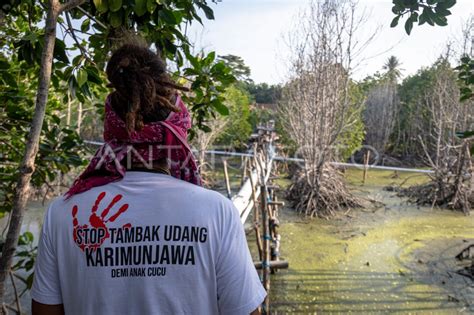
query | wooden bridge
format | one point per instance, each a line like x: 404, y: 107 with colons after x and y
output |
x: 257, y: 195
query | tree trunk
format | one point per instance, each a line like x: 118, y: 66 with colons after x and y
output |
x: 27, y: 165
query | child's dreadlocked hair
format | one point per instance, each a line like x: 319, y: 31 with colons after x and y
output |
x: 144, y: 91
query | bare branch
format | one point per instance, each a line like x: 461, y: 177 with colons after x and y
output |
x: 91, y: 17
x: 74, y: 37
x: 71, y: 4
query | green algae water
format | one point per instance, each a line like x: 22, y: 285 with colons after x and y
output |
x: 396, y: 258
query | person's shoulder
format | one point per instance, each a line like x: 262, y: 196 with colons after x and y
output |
x: 59, y: 208
x: 57, y: 203
x: 208, y: 194
x: 204, y: 196
x: 63, y: 204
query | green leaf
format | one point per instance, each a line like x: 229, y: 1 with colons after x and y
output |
x: 60, y: 51
x: 57, y: 121
x: 9, y: 79
x: 440, y: 20
x: 194, y: 61
x: 151, y: 5
x: 207, y: 11
x: 465, y: 134
x: 29, y: 280
x: 93, y: 75
x: 205, y: 128
x: 116, y: 18
x: 395, y: 21
x: 101, y: 5
x: 465, y: 59
x: 198, y: 18
x: 442, y: 12
x: 28, y: 235
x: 429, y: 15
x: 140, y: 7
x: 218, y: 68
x: 85, y: 25
x: 115, y: 5
x: 209, y: 58
x: 408, y: 26
x: 423, y: 19
x: 221, y: 108
x: 168, y: 16
x: 169, y: 46
x: 81, y: 77
x: 85, y: 91
x: 448, y: 3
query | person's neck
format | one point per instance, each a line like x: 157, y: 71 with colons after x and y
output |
x: 156, y: 167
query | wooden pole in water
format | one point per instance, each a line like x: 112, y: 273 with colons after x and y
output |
x: 266, y: 247
x: 227, y: 183
x: 274, y: 223
x: 256, y: 220
x: 366, y: 166
x: 244, y: 171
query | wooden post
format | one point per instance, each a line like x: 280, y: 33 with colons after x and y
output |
x: 227, y: 183
x: 256, y: 220
x: 275, y: 255
x: 366, y: 166
x: 244, y: 170
x: 266, y: 247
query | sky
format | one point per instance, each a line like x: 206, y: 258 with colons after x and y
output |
x: 254, y: 30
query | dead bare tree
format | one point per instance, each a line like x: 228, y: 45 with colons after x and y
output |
x: 204, y: 140
x: 315, y: 103
x: 450, y: 158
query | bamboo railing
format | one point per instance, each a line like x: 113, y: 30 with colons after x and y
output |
x: 257, y: 193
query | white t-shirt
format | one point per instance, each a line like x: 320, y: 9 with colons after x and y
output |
x: 148, y: 244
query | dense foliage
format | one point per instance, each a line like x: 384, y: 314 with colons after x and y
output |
x: 264, y: 93
x: 352, y: 136
x: 413, y: 108
x: 238, y: 129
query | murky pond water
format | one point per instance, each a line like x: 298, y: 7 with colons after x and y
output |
x: 397, y: 258
x: 32, y: 222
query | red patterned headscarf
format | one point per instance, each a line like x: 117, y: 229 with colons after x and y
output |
x: 157, y: 140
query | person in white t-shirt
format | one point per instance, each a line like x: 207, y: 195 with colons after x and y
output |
x: 136, y: 233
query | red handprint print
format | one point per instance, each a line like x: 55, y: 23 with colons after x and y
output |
x: 94, y: 236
